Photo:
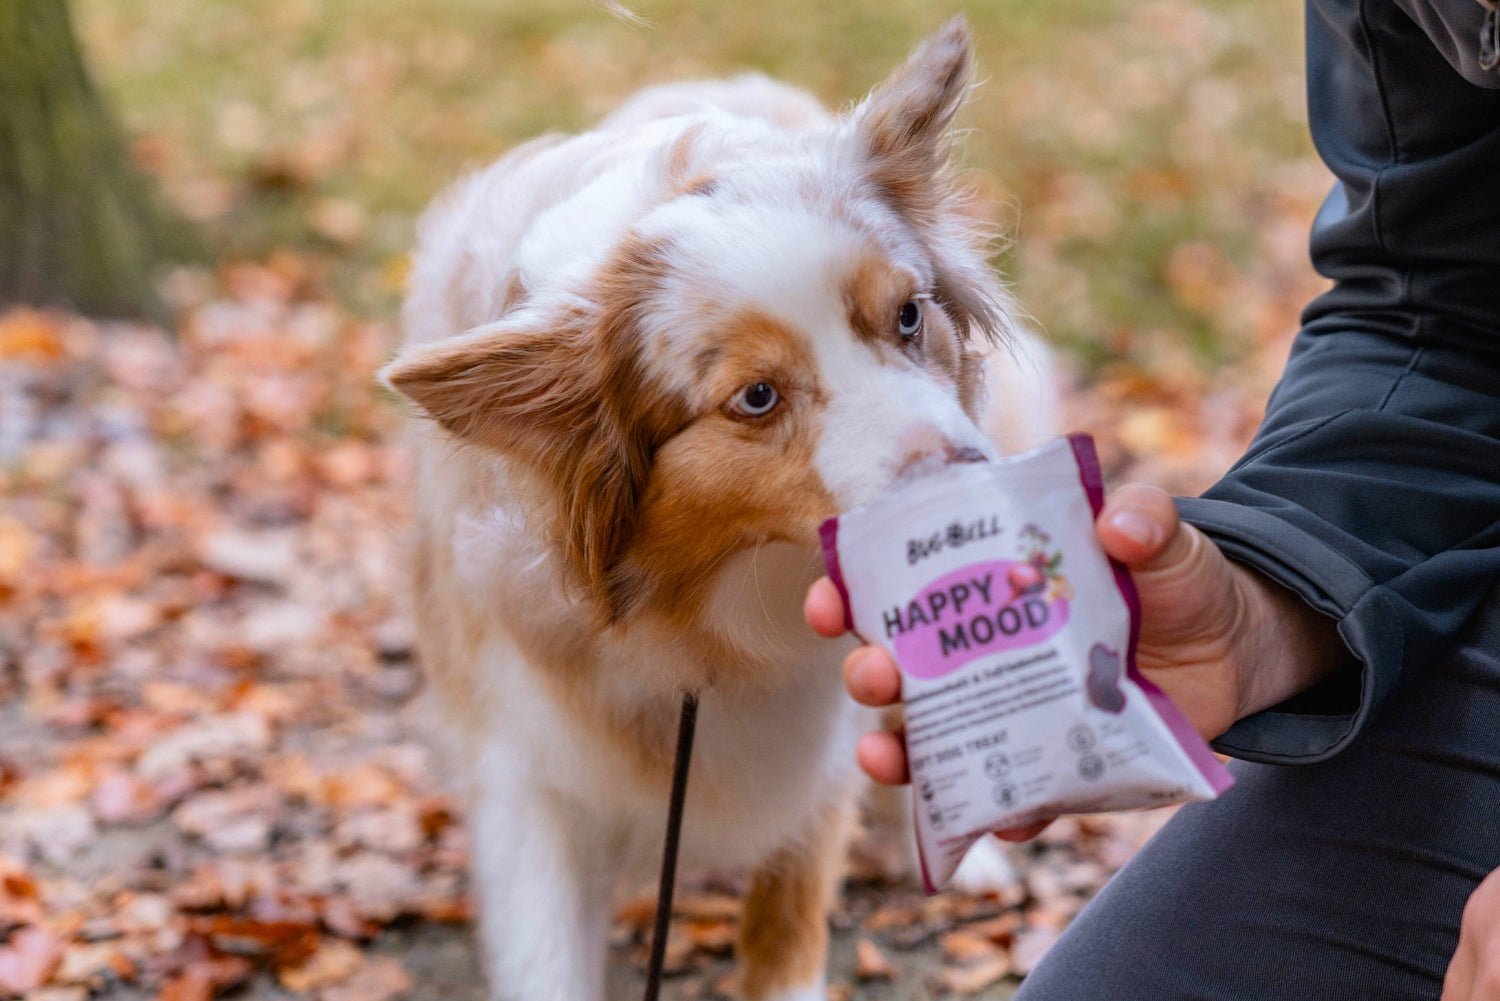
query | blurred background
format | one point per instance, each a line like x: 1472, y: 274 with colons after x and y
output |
x: 205, y: 789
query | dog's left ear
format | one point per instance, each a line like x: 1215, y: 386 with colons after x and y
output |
x: 902, y: 133
x: 904, y: 123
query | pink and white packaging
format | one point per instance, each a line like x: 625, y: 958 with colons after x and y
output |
x: 1015, y: 634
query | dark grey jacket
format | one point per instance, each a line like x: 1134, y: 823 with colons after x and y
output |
x: 1373, y: 486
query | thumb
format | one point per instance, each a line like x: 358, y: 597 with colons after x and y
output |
x: 1139, y: 527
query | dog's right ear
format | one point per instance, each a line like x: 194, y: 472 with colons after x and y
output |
x: 562, y: 399
x: 506, y: 385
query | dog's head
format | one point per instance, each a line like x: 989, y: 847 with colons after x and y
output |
x: 784, y: 329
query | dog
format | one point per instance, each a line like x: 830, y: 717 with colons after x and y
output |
x: 647, y: 362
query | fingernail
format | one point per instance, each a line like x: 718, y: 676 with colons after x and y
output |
x: 1136, y: 527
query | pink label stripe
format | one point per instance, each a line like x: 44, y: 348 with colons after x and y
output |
x: 970, y: 612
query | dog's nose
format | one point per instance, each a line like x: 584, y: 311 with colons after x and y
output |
x: 928, y: 448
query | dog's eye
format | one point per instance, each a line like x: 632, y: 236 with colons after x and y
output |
x: 909, y: 320
x: 757, y: 400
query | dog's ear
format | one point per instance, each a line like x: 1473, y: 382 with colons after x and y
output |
x: 514, y: 386
x: 903, y: 124
x: 558, y: 399
x: 903, y: 136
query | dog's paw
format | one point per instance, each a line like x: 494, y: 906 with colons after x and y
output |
x: 985, y: 869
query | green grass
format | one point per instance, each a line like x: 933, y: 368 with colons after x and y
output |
x: 1109, y: 133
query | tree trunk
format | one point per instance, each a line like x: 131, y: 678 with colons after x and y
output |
x: 78, y: 226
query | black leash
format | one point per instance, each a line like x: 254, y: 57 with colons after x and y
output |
x: 685, y: 729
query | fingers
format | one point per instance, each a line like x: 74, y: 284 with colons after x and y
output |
x: 824, y: 608
x: 871, y: 677
x: 883, y: 758
x: 1138, y: 526
x: 1019, y: 834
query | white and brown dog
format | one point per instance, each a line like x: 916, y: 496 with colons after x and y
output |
x: 650, y: 360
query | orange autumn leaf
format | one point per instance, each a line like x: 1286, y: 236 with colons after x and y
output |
x: 30, y: 335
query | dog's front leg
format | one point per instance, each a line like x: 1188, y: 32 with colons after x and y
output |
x: 543, y: 893
x: 784, y: 937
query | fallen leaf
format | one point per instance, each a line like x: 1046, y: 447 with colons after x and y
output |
x: 1030, y: 946
x: 967, y: 947
x: 713, y: 935
x: 1000, y: 930
x: 87, y: 962
x: 233, y: 736
x: 889, y: 916
x: 58, y: 994
x: 379, y: 887
x: 638, y: 912
x: 187, y: 987
x: 381, y: 979
x: 334, y: 961
x: 282, y: 943
x: 28, y: 959
x: 266, y: 557
x: 870, y: 963
x: 975, y: 978
x: 705, y: 905
x: 30, y: 335
x: 122, y: 798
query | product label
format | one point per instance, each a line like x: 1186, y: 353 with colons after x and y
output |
x: 980, y: 609
x: 1013, y: 632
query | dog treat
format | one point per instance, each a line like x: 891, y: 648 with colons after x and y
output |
x: 1015, y: 635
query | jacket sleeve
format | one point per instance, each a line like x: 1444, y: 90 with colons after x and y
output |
x: 1372, y: 488
x: 1373, y: 491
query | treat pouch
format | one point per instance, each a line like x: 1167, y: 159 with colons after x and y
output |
x: 1015, y: 634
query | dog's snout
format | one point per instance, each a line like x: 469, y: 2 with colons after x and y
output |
x: 927, y: 447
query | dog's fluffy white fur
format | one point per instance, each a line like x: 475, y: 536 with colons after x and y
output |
x: 649, y: 360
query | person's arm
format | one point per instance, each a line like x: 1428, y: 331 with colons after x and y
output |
x: 1373, y: 492
x: 1372, y: 489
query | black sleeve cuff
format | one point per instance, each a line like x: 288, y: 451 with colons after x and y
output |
x: 1329, y: 583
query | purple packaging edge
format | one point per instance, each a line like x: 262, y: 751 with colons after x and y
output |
x: 828, y: 532
x: 1191, y: 742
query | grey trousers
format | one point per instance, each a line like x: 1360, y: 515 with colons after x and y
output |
x: 1339, y: 881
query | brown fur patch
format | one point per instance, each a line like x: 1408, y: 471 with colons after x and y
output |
x: 571, y: 402
x: 874, y: 290
x: 725, y: 483
x: 684, y: 177
x: 784, y: 935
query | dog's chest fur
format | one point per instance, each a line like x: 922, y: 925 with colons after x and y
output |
x: 591, y: 713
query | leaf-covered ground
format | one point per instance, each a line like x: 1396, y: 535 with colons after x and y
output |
x: 205, y: 783
x: 204, y: 777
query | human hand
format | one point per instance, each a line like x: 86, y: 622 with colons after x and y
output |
x: 1221, y: 640
x: 1474, y: 973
